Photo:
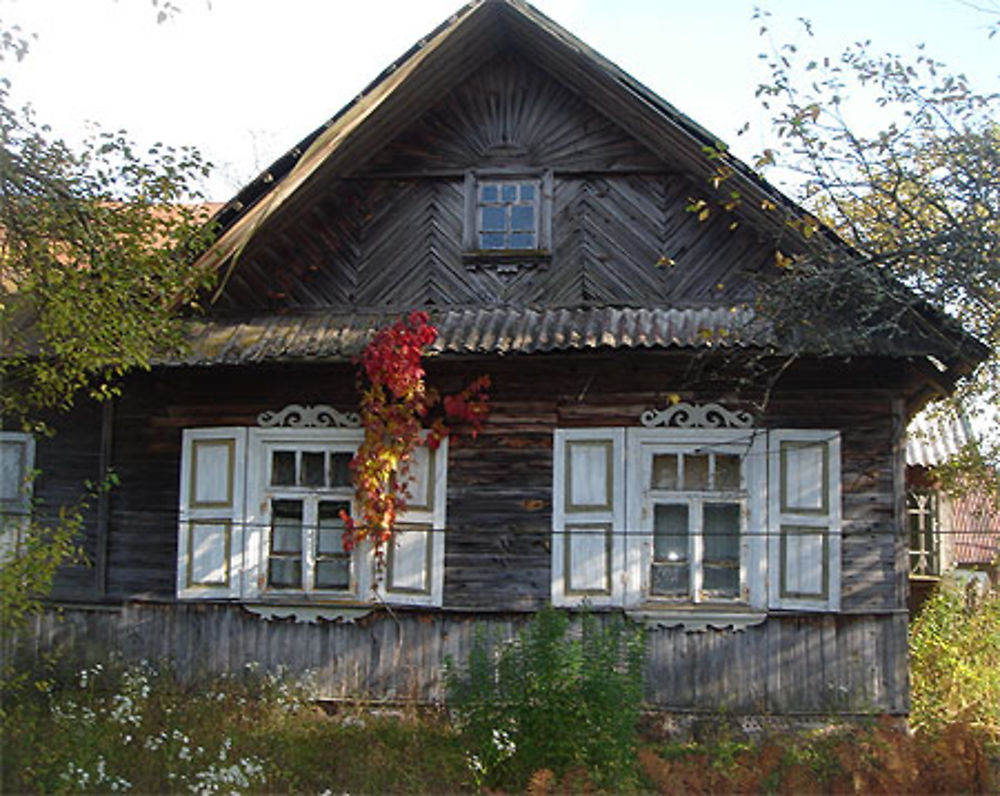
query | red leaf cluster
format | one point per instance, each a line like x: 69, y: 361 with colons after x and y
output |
x: 395, y: 406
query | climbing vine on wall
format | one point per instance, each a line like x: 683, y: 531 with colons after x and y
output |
x: 398, y: 413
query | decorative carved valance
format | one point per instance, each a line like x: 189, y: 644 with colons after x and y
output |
x: 685, y: 415
x: 318, y: 416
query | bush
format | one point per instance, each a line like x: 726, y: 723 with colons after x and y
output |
x: 955, y: 662
x: 548, y: 700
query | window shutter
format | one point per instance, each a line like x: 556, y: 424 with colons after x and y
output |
x: 804, y: 515
x: 414, y: 571
x: 212, y: 513
x: 588, y: 516
x: 17, y: 458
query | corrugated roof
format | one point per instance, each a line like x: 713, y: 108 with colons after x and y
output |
x: 341, y: 336
x: 933, y: 437
x: 976, y: 525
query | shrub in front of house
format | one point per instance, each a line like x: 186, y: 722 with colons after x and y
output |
x: 557, y: 698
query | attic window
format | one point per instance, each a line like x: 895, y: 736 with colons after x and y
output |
x: 507, y: 214
x: 507, y: 218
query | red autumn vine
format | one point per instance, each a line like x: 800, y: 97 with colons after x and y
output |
x: 396, y: 407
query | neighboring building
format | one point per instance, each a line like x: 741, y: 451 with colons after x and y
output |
x: 948, y: 533
x: 519, y: 187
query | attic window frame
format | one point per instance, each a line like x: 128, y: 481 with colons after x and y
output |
x: 474, y: 255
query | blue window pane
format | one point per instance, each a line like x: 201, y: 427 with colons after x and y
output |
x: 522, y: 240
x: 494, y: 219
x: 527, y: 192
x: 508, y: 193
x: 522, y: 218
x: 491, y: 240
x: 488, y: 193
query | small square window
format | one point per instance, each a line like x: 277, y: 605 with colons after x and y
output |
x: 507, y: 216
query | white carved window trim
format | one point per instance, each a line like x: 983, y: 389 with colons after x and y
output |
x: 626, y: 519
x: 225, y: 532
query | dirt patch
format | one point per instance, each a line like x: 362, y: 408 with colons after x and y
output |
x: 880, y: 759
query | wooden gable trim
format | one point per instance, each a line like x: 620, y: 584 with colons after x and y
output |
x: 447, y: 56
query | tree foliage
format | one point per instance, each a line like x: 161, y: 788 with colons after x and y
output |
x: 94, y: 256
x: 914, y: 195
x: 95, y: 249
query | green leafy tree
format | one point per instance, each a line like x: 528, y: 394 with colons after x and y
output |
x: 95, y: 249
x: 914, y: 195
x: 94, y: 259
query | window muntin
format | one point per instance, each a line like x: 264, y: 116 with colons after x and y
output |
x: 17, y: 457
x: 922, y: 516
x: 696, y: 499
x: 308, y: 486
x: 508, y: 214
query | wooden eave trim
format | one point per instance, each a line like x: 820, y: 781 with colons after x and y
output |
x: 235, y: 238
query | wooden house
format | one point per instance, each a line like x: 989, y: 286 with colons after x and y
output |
x: 521, y: 189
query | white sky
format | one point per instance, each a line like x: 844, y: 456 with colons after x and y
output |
x: 244, y: 80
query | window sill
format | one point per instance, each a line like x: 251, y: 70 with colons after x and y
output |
x: 696, y: 618
x: 506, y: 260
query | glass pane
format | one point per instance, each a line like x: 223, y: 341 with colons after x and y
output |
x: 670, y: 532
x: 522, y: 240
x: 522, y: 218
x: 283, y: 468
x: 527, y: 192
x: 340, y: 469
x: 313, y: 467
x: 721, y: 530
x: 696, y: 471
x: 488, y: 192
x: 329, y: 539
x: 508, y: 193
x: 727, y: 471
x: 284, y: 573
x: 333, y: 573
x: 492, y: 240
x: 286, y: 526
x: 670, y: 580
x: 664, y: 471
x: 494, y: 219
x: 722, y: 580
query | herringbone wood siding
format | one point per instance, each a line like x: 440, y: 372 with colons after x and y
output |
x: 392, y: 236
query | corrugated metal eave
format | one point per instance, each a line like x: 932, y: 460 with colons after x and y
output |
x: 338, y: 337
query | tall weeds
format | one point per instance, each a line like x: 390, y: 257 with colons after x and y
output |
x: 955, y: 662
x: 552, y: 700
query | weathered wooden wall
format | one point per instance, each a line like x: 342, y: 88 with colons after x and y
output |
x: 788, y: 665
x: 497, y: 553
x: 392, y: 234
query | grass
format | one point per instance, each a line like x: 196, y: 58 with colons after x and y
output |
x: 137, y: 729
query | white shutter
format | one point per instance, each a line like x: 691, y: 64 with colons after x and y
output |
x: 212, y: 513
x: 588, y: 516
x: 804, y: 515
x: 414, y: 572
x: 17, y: 458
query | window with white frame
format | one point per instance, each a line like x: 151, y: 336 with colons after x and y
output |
x: 508, y: 214
x: 261, y: 518
x: 17, y: 458
x: 670, y: 518
x: 923, y: 519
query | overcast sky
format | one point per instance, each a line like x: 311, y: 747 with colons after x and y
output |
x: 244, y: 80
